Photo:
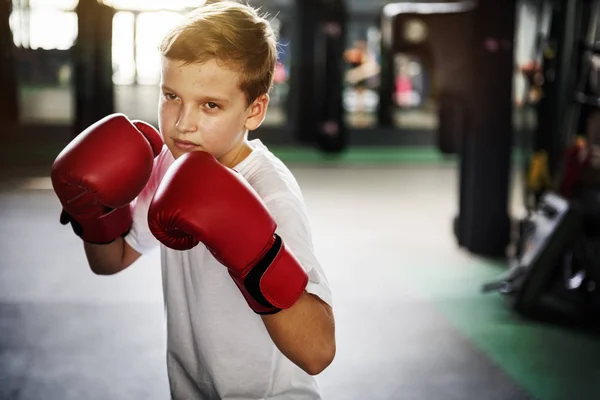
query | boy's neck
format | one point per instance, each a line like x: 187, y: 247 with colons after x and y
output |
x: 237, y: 155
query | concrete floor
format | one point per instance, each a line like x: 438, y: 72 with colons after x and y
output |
x: 410, y: 321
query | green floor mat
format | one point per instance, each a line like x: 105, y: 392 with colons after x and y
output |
x: 24, y: 153
x: 365, y: 155
x: 550, y: 362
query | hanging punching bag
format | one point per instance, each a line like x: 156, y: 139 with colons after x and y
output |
x: 103, y: 52
x: 316, y: 75
x: 94, y: 90
x: 483, y: 224
x: 9, y: 110
x: 330, y: 131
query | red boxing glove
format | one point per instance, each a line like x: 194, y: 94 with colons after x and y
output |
x: 200, y: 200
x: 101, y: 172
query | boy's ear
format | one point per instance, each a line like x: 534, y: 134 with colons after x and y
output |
x: 258, y: 111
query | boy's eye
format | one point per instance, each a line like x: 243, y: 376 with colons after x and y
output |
x: 170, y: 96
x: 212, y: 105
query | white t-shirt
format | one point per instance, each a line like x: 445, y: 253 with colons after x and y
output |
x: 217, y: 347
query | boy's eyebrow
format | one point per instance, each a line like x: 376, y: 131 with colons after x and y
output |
x: 210, y: 99
x: 165, y: 87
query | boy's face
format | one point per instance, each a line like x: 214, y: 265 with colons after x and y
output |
x: 201, y: 107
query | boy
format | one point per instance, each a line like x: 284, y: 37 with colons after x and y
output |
x: 217, y: 69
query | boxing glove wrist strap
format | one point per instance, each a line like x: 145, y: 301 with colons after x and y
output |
x: 275, y: 283
x: 101, y: 230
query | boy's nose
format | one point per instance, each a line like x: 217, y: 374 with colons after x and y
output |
x: 187, y: 122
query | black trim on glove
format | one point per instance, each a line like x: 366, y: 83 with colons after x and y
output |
x: 252, y: 281
x: 66, y: 218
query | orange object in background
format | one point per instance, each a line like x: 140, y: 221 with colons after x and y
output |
x: 353, y: 56
x: 538, y: 179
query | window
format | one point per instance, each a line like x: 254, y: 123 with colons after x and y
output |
x: 152, y: 5
x: 123, y: 48
x: 53, y: 4
x: 52, y: 29
x: 151, y: 28
x: 44, y: 24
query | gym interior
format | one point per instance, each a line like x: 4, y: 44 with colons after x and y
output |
x: 448, y: 155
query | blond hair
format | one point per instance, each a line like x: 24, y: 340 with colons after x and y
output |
x: 231, y: 33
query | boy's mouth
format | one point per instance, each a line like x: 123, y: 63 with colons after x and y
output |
x: 185, y: 144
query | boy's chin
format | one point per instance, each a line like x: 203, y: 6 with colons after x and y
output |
x: 177, y: 152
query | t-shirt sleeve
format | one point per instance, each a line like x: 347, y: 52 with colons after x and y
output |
x: 293, y: 227
x: 139, y: 237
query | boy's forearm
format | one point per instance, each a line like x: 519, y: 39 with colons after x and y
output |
x: 304, y: 333
x: 105, y: 259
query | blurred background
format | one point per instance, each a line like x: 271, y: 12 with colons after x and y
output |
x: 448, y: 154
x: 45, y: 36
x: 45, y: 31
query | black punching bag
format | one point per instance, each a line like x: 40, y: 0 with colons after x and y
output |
x: 105, y: 92
x: 331, y: 132
x: 94, y: 90
x: 317, y: 115
x: 9, y: 109
x: 483, y: 224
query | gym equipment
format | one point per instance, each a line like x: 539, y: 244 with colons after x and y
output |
x: 483, y: 225
x: 317, y: 75
x: 538, y: 179
x: 555, y: 270
x: 540, y: 88
x: 551, y: 77
x: 453, y: 122
x: 555, y: 274
x: 9, y: 105
x: 92, y: 61
x: 577, y: 160
x: 548, y: 234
